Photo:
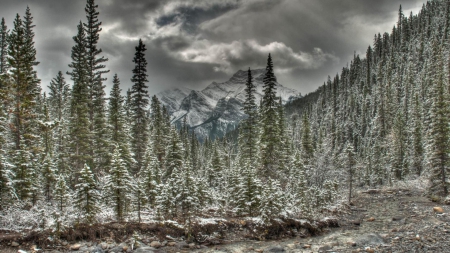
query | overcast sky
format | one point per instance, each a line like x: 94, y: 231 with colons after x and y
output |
x: 192, y: 43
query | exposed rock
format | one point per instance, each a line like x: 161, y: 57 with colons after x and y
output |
x: 145, y: 250
x: 371, y: 219
x: 307, y: 246
x: 370, y: 239
x: 398, y: 218
x: 356, y: 222
x: 183, y: 245
x: 324, y: 248
x: 171, y: 244
x: 192, y: 245
x: 97, y: 250
x: 155, y: 244
x: 76, y: 246
x: 276, y: 249
x: 447, y: 200
x: 369, y: 250
x: 351, y: 243
x: 117, y: 249
x: 15, y: 244
x: 104, y: 245
x: 438, y: 209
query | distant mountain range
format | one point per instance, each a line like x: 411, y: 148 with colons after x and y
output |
x: 217, y: 109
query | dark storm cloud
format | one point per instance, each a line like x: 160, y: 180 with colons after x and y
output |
x: 192, y: 43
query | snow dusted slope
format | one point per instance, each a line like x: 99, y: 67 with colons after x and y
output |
x: 216, y: 110
x: 172, y: 98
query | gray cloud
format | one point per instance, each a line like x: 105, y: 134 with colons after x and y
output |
x: 192, y: 43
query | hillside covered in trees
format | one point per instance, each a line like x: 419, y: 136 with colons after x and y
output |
x: 75, y: 156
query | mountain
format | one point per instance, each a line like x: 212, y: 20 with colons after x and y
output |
x: 216, y: 110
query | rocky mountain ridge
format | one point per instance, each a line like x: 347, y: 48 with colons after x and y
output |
x: 216, y: 110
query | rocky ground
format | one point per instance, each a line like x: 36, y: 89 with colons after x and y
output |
x: 397, y: 220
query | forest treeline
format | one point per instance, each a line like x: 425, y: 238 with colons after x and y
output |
x: 76, y: 156
x: 391, y: 107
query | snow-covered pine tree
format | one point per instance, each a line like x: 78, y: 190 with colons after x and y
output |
x: 417, y: 139
x: 166, y: 200
x: 157, y: 129
x: 118, y: 186
x: 48, y: 175
x: 79, y: 142
x: 249, y: 192
x: 439, y: 132
x: 118, y: 132
x: 94, y: 71
x: 297, y: 183
x: 398, y: 147
x: 24, y: 174
x: 269, y: 141
x: 33, y: 88
x: 3, y: 49
x: 187, y: 197
x: 151, y: 177
x: 86, y: 197
x: 248, y: 129
x: 350, y: 164
x: 174, y: 154
x: 272, y: 201
x: 24, y: 92
x: 139, y: 197
x: 59, y: 102
x: 7, y: 192
x: 139, y: 102
x: 307, y: 149
x: 62, y: 198
x: 284, y: 148
x: 216, y: 168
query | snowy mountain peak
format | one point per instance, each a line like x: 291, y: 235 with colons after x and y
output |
x: 216, y: 110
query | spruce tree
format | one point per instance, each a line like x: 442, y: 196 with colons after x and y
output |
x: 269, y: 141
x: 417, y: 140
x: 95, y: 70
x: 48, y: 172
x: 21, y: 61
x: 139, y: 103
x: 307, y: 148
x: 62, y: 198
x: 86, y: 197
x: 117, y: 122
x: 398, y: 152
x: 439, y: 131
x: 216, y: 168
x: 24, y: 173
x: 157, y: 128
x: 151, y: 178
x: 7, y: 192
x: 272, y: 201
x: 248, y: 197
x: 59, y: 103
x: 187, y: 198
x: 3, y: 49
x: 297, y: 182
x: 174, y: 154
x: 248, y: 135
x: 80, y: 146
x: 350, y: 163
x: 118, y: 187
